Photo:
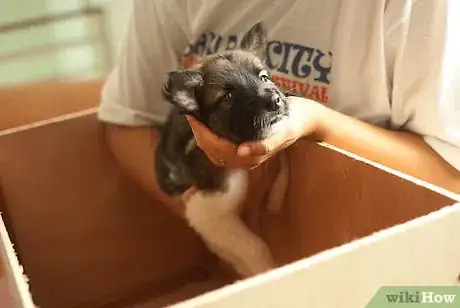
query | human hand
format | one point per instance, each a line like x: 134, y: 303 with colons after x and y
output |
x: 188, y: 194
x: 301, y: 122
x: 220, y: 151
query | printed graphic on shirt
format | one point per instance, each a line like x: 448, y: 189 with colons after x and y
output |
x: 297, y: 69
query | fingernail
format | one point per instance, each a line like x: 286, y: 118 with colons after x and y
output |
x: 244, y: 151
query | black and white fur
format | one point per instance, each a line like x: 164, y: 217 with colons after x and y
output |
x: 232, y: 94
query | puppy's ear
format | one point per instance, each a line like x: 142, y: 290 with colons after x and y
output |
x: 255, y: 40
x: 180, y: 88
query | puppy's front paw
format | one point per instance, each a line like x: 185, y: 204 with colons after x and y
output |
x: 261, y: 260
x: 248, y: 260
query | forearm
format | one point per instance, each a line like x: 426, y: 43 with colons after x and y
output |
x: 399, y: 150
x: 133, y: 149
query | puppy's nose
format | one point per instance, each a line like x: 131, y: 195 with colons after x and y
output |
x: 275, y: 102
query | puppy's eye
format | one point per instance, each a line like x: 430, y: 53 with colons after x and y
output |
x: 227, y: 95
x: 224, y: 97
x: 263, y: 75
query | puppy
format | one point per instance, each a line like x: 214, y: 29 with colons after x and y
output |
x: 232, y: 94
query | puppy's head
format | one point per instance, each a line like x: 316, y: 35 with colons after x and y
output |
x: 231, y: 92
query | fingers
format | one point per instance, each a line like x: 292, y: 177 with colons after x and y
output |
x: 188, y: 193
x: 222, y: 152
x: 234, y: 161
x: 279, y: 141
x: 207, y: 139
x: 255, y: 148
x: 264, y: 147
x: 216, y: 160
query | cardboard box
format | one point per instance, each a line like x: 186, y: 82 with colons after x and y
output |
x: 76, y: 232
x: 28, y: 103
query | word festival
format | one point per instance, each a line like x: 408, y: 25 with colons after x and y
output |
x: 296, y: 69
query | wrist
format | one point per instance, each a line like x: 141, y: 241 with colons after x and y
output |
x: 309, y: 116
x: 319, y: 114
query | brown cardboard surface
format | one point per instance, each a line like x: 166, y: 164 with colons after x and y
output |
x: 28, y: 103
x: 334, y: 199
x: 422, y: 252
x: 82, y: 228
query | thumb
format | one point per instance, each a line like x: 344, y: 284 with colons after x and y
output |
x: 262, y: 147
x: 194, y: 123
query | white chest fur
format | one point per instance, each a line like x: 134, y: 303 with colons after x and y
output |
x: 215, y: 217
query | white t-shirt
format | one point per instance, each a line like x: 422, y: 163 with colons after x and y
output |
x: 392, y: 63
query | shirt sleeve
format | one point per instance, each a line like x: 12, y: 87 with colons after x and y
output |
x: 425, y: 78
x: 152, y: 46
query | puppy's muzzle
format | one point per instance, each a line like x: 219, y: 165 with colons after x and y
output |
x: 274, y: 101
